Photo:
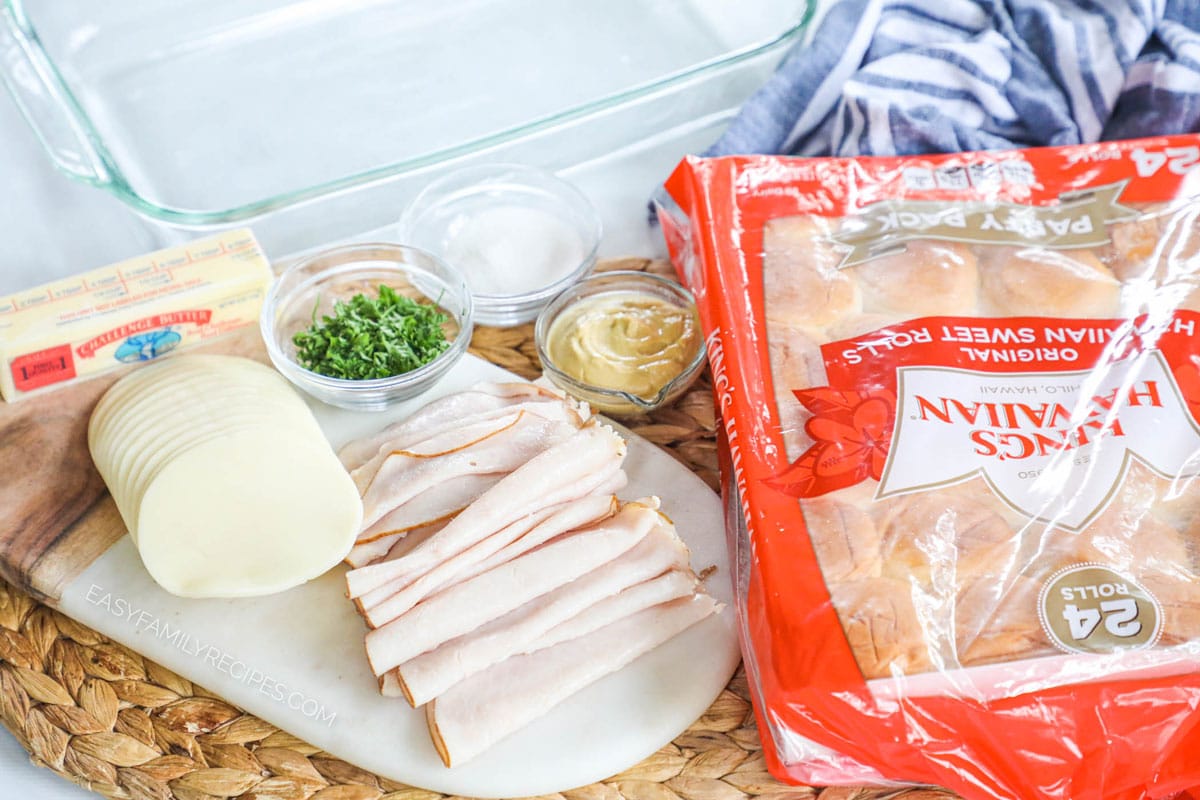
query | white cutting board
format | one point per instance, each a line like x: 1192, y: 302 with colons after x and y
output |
x: 296, y: 659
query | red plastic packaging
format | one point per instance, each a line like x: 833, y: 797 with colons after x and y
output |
x: 960, y: 399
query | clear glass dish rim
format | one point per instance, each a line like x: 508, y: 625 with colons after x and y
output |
x: 115, y: 182
x: 268, y: 324
x: 541, y: 330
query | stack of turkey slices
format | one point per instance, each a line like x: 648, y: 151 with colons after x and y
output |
x: 496, y: 568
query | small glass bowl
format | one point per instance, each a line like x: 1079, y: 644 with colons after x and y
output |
x: 450, y: 216
x: 308, y: 290
x: 615, y: 402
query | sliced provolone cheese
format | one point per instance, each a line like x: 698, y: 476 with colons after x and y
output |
x: 246, y: 514
x: 177, y: 379
x: 164, y: 443
x: 244, y: 494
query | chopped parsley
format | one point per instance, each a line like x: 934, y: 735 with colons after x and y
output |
x: 369, y: 338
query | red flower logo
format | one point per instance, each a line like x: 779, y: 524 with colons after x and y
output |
x: 851, y: 431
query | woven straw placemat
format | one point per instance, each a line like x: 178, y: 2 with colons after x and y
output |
x: 107, y: 719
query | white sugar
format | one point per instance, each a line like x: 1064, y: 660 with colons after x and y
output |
x: 513, y: 249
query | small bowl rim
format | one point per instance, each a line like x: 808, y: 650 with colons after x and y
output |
x: 267, y: 321
x: 541, y: 331
x: 482, y: 172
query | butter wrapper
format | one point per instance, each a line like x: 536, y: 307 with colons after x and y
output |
x: 130, y: 312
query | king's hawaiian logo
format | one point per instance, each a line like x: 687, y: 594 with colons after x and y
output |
x: 1053, y: 445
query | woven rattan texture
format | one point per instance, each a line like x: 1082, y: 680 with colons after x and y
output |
x: 103, y: 717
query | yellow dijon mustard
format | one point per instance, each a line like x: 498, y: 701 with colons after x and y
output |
x: 624, y: 341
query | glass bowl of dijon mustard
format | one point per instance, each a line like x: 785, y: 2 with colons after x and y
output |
x: 625, y: 342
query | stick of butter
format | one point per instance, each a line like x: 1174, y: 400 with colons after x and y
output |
x: 129, y: 312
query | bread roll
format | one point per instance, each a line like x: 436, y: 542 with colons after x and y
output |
x: 1179, y: 599
x: 996, y: 619
x: 926, y: 278
x: 1177, y: 269
x: 856, y: 325
x: 1162, y: 246
x: 1178, y: 504
x: 944, y: 534
x: 796, y: 363
x: 1175, y: 500
x: 802, y: 284
x: 1128, y: 537
x: 1158, y: 258
x: 1047, y: 283
x: 861, y: 494
x: 881, y: 626
x: 844, y: 539
x: 1130, y: 253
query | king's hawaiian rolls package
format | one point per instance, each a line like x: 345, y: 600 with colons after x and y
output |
x: 960, y: 398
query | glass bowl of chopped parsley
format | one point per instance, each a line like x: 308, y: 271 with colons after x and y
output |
x: 367, y: 325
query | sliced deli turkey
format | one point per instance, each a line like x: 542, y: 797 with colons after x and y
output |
x: 961, y: 404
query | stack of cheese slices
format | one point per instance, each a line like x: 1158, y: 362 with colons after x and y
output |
x: 494, y: 553
x: 223, y: 477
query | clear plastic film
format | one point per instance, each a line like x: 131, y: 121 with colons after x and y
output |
x: 961, y: 407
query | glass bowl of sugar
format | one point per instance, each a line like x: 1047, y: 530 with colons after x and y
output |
x: 518, y: 234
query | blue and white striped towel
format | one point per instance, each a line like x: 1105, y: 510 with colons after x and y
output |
x: 889, y: 77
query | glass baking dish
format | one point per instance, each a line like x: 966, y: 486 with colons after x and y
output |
x: 320, y: 117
